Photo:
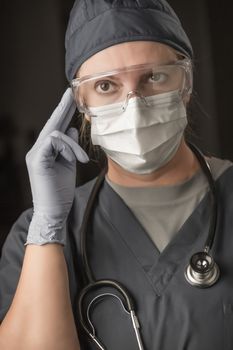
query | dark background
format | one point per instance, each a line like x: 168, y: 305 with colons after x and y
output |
x: 32, y: 81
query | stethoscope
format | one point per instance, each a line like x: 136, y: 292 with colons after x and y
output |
x: 202, y: 271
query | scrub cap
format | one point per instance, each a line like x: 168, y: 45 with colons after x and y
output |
x: 97, y: 24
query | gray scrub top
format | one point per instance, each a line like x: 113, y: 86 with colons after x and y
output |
x: 172, y: 314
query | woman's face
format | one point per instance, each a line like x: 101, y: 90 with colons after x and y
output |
x: 118, y: 57
x: 127, y: 54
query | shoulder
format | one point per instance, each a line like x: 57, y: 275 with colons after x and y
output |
x: 13, y: 247
x: 19, y: 229
x: 85, y: 189
x: 82, y: 194
x: 11, y: 260
x: 219, y: 167
x: 222, y: 172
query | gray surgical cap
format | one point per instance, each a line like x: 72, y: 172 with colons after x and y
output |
x: 97, y: 24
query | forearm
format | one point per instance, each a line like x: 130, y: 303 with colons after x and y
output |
x: 40, y: 317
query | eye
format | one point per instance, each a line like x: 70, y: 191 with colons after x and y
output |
x: 105, y: 87
x: 158, y: 77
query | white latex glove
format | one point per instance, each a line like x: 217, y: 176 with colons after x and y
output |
x: 51, y: 165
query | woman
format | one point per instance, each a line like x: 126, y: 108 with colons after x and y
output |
x: 129, y: 65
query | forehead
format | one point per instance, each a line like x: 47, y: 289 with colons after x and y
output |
x: 127, y: 54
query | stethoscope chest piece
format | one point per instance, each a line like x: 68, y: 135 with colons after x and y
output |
x: 202, y: 270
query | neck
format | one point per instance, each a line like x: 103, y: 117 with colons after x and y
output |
x: 180, y: 168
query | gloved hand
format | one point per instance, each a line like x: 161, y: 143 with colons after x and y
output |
x: 51, y: 165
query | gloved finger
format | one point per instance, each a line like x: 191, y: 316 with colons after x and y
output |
x: 76, y: 148
x: 58, y: 147
x: 73, y: 134
x: 46, y: 155
x: 61, y: 116
x: 62, y: 148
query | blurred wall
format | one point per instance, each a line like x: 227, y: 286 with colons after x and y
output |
x: 196, y: 21
x: 221, y: 29
x: 33, y: 80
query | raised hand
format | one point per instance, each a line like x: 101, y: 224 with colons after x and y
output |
x: 51, y: 165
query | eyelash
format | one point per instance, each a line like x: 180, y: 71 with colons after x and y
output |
x: 99, y: 83
x: 144, y: 80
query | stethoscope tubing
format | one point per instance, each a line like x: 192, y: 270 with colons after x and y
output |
x: 86, y: 271
x: 89, y: 277
x: 129, y: 308
x: 93, y: 284
x: 214, y: 209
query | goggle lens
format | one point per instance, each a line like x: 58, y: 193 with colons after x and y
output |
x: 113, y: 87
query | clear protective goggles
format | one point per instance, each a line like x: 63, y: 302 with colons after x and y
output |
x: 143, y: 81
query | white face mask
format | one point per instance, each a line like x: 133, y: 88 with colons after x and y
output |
x: 143, y: 138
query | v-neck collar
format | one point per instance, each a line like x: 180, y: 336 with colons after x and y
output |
x: 159, y: 267
x: 130, y: 229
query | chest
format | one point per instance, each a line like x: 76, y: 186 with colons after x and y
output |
x: 172, y: 314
